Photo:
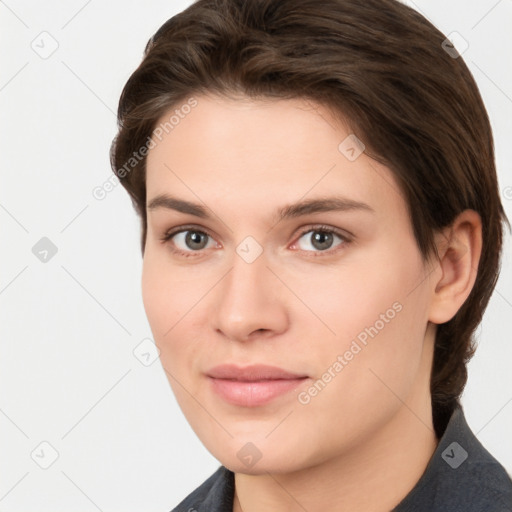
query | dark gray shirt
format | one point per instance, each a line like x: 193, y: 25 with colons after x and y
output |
x: 461, y: 476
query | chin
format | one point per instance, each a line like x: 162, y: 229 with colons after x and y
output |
x: 260, y: 457
x: 261, y: 467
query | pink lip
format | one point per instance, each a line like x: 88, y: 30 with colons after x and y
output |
x: 253, y: 385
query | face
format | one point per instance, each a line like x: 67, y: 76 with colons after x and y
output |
x: 332, y: 295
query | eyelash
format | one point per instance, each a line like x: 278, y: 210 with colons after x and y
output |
x: 318, y: 228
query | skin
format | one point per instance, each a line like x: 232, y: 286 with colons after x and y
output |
x: 365, y: 439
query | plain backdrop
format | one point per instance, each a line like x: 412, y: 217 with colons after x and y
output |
x: 85, y: 424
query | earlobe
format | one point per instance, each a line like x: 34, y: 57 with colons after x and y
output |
x: 459, y: 248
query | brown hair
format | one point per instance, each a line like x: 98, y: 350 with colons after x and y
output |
x: 377, y: 63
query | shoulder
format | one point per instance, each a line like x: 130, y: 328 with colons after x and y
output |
x: 480, y: 487
x: 215, y: 494
x: 480, y: 481
x: 462, y: 476
x: 484, y: 486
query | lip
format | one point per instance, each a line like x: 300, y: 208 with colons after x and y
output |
x: 252, y: 386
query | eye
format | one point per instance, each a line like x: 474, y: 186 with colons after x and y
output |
x: 187, y: 241
x: 321, y: 239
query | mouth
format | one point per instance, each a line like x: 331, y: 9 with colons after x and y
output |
x: 252, y: 386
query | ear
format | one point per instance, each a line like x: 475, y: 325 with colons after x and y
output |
x: 459, y: 248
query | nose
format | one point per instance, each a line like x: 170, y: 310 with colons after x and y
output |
x: 250, y: 301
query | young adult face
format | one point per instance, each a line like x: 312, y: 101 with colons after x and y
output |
x: 303, y: 304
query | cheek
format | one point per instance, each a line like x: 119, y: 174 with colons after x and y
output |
x: 376, y: 315
x: 164, y: 299
x: 154, y: 295
x: 170, y: 296
x: 166, y: 292
x: 346, y: 300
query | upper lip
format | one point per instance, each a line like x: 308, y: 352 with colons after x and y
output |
x: 252, y: 373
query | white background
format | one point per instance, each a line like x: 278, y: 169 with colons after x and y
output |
x: 68, y: 375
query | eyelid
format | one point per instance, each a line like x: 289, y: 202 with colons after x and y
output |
x: 186, y: 227
x: 346, y: 235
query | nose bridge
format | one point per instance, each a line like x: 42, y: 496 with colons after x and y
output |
x: 247, y: 284
x: 247, y: 300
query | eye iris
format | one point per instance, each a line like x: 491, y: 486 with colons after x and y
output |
x: 320, y: 238
x: 194, y: 237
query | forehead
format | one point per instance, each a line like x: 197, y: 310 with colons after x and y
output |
x: 258, y: 152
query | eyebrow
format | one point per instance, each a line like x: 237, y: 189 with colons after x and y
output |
x: 322, y: 204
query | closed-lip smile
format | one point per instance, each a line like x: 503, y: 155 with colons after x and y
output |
x: 254, y: 385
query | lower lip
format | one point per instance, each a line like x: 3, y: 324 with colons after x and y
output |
x: 253, y: 394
